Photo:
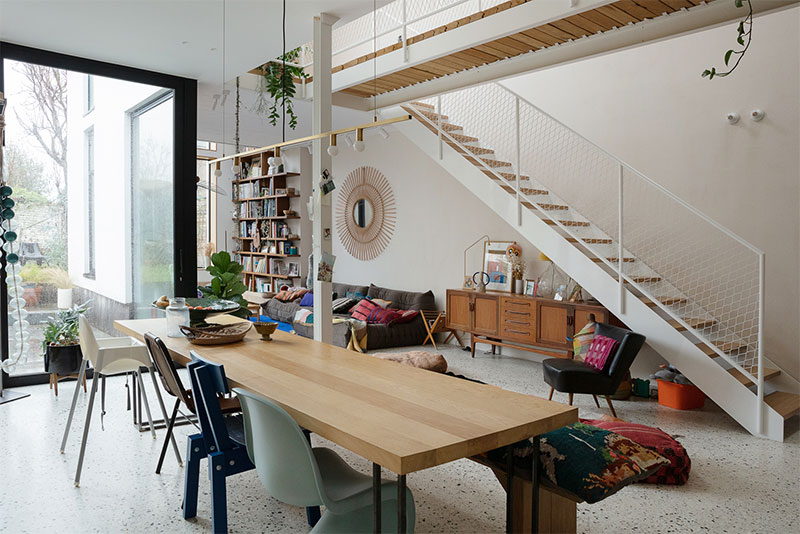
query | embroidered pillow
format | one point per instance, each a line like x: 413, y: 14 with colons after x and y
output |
x: 381, y: 316
x: 363, y: 309
x: 599, y: 351
x: 582, y: 341
x: 405, y: 316
x: 355, y: 295
x: 382, y: 303
x: 291, y: 294
x: 304, y: 316
x: 677, y: 472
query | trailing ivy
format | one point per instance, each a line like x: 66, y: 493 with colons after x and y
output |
x: 745, y: 30
x: 276, y: 87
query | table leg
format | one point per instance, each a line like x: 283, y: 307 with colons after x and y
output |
x: 401, y: 504
x: 510, y: 488
x: 376, y: 498
x: 535, y: 486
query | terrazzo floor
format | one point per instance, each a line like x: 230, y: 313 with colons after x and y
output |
x: 738, y: 483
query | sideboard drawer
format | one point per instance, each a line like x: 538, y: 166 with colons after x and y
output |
x: 518, y: 305
x: 523, y: 332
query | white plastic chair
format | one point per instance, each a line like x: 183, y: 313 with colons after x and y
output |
x: 108, y: 356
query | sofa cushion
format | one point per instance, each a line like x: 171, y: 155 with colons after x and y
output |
x: 280, y: 311
x: 363, y: 309
x: 582, y: 340
x: 307, y: 300
x: 403, y: 300
x: 341, y: 290
x: 599, y: 351
x: 293, y: 293
x: 382, y: 303
x: 405, y: 316
x: 343, y: 304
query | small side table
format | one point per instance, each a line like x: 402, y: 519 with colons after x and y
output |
x: 435, y: 323
x: 55, y: 377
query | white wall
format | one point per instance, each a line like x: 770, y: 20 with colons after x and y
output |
x: 650, y: 107
x: 113, y: 99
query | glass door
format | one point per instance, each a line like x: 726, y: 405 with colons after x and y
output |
x: 92, y: 161
x: 152, y: 255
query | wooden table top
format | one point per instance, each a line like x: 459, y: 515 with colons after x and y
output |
x: 400, y: 417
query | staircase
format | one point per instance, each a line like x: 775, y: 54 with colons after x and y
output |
x: 693, y: 287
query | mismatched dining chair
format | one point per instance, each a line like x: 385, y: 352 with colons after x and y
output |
x: 297, y: 474
x: 172, y: 384
x: 573, y: 376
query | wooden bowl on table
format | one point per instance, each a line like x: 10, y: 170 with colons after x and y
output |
x: 266, y: 330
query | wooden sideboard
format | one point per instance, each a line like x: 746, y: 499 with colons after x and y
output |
x: 534, y: 324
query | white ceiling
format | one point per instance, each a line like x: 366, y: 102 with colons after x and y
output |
x: 179, y: 37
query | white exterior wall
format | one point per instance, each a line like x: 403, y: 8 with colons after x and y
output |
x: 113, y: 99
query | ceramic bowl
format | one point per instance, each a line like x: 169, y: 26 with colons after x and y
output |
x: 266, y: 330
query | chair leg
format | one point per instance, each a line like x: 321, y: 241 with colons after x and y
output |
x: 191, y: 480
x: 613, y: 411
x: 596, y: 402
x: 55, y: 384
x: 81, y: 376
x: 146, y: 403
x: 51, y: 380
x: 86, y: 428
x: 84, y: 382
x: 570, y: 399
x: 552, y: 390
x: 219, y: 505
x: 170, y: 435
x: 312, y: 512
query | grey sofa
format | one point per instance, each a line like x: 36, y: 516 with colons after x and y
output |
x: 378, y: 336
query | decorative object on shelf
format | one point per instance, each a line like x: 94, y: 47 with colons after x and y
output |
x: 482, y: 281
x: 497, y: 265
x: 514, y: 255
x: 266, y: 330
x: 547, y: 280
x: 294, y: 268
x: 561, y: 292
x: 365, y: 213
x: 530, y: 288
x: 468, y: 283
x: 576, y: 295
x: 325, y: 268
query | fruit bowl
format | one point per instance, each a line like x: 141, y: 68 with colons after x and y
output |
x: 266, y: 330
x: 202, y: 308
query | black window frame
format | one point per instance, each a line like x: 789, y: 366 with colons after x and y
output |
x: 184, y: 162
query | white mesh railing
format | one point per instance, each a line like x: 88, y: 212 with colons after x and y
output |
x: 391, y: 24
x: 701, y: 274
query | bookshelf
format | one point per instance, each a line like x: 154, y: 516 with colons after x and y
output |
x: 260, y: 201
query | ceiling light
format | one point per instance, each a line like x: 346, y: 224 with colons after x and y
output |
x: 333, y: 149
x: 359, y: 145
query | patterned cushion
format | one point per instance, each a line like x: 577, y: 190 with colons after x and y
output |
x: 599, y: 351
x: 304, y: 316
x: 590, y: 462
x: 291, y: 294
x: 382, y: 316
x: 382, y: 303
x: 363, y: 309
x: 677, y: 472
x: 582, y: 340
x: 343, y: 305
x: 307, y: 300
x: 406, y: 316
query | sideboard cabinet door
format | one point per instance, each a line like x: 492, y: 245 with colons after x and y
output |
x: 458, y: 311
x: 485, y: 315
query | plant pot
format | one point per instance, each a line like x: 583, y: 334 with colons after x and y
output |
x: 64, y: 298
x: 63, y: 360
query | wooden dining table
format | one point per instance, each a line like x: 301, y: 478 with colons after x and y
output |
x: 401, y: 418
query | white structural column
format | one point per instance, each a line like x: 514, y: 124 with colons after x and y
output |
x: 323, y: 314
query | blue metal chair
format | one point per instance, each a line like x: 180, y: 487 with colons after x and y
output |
x: 221, y: 441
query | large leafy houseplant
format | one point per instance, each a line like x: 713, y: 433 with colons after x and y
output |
x: 226, y: 282
x: 277, y: 81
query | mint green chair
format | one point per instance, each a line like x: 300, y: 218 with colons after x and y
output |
x: 295, y: 473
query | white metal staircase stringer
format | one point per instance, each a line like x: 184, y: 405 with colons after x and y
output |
x: 730, y: 394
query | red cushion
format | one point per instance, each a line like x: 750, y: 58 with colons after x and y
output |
x: 363, y: 309
x: 677, y: 472
x: 405, y: 316
x: 383, y: 316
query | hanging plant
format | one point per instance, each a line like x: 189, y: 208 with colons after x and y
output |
x: 276, y: 87
x: 745, y: 29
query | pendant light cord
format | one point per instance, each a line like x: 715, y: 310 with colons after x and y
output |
x: 283, y: 77
x: 374, y: 62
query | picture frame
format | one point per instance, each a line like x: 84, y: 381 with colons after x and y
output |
x: 294, y: 268
x: 497, y: 266
x: 530, y: 288
x: 280, y: 191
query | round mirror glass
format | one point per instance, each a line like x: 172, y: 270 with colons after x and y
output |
x: 362, y: 213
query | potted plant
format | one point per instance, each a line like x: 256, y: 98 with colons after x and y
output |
x: 60, y: 278
x: 62, y: 353
x: 226, y: 282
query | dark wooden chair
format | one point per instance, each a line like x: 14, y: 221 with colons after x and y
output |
x: 571, y: 376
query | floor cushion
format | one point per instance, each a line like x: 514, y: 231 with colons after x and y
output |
x: 677, y: 472
x: 417, y: 358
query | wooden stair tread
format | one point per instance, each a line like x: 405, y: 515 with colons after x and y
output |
x: 533, y: 192
x: 450, y: 127
x: 507, y: 175
x: 567, y: 223
x: 666, y: 301
x: 727, y: 348
x: 786, y: 404
x: 423, y: 105
x: 613, y: 259
x: 742, y: 378
x: 590, y: 240
x: 461, y: 138
x: 697, y: 324
x: 432, y: 115
x: 646, y: 279
x: 491, y: 162
x: 553, y: 207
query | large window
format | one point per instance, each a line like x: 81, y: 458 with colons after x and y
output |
x: 104, y: 213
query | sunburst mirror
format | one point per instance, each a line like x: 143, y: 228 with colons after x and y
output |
x: 365, y: 213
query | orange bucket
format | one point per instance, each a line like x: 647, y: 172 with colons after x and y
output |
x: 680, y: 396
